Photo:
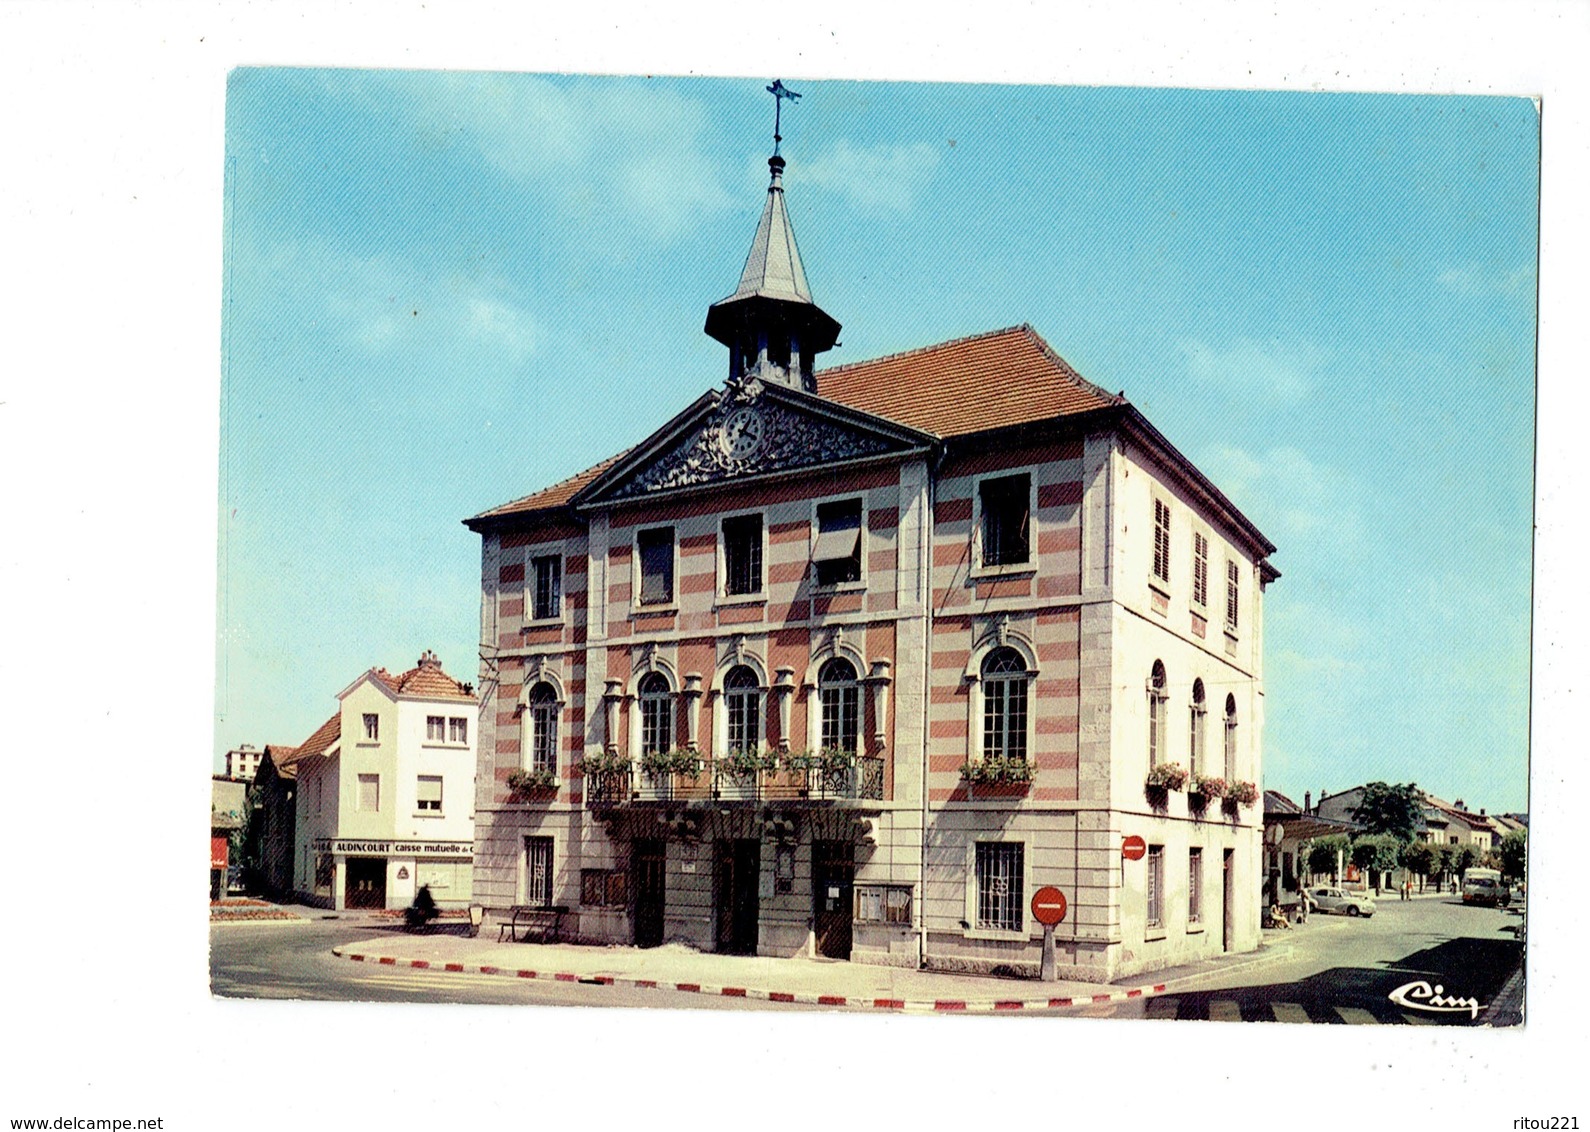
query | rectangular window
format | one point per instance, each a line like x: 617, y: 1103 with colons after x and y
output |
x: 1232, y: 576
x: 435, y: 729
x: 1195, y: 886
x: 602, y: 888
x: 546, y: 581
x: 1161, y: 541
x: 1200, y: 570
x: 837, y: 552
x: 742, y: 555
x: 883, y: 904
x: 999, y: 885
x: 656, y: 551
x: 1006, y: 525
x: 457, y: 729
x: 429, y: 793
x: 372, y: 725
x: 538, y: 871
x: 370, y: 793
x: 1156, y: 886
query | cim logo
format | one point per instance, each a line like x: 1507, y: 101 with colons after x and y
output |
x: 1419, y: 995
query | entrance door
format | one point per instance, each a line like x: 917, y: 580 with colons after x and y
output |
x: 366, y: 882
x: 1226, y: 913
x: 738, y: 876
x: 833, y: 887
x: 646, y: 865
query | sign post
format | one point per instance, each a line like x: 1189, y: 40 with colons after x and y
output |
x: 1048, y: 908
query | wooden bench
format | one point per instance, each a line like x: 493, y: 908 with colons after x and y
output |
x: 546, y: 924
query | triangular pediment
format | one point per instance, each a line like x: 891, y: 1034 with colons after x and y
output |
x: 746, y: 431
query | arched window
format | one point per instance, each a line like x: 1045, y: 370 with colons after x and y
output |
x: 543, y: 710
x: 1005, y: 705
x: 656, y: 713
x: 1195, y: 724
x: 841, y: 704
x: 1231, y: 737
x: 1156, y: 715
x: 742, y: 694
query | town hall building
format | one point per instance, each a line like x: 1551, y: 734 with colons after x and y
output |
x: 851, y: 661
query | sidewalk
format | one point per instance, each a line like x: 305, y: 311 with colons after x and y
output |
x: 812, y: 982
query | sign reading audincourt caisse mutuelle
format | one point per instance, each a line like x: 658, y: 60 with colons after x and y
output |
x: 422, y: 848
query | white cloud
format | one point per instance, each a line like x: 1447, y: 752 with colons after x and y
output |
x: 1248, y: 368
x: 881, y: 177
x: 1473, y: 281
x: 1291, y: 497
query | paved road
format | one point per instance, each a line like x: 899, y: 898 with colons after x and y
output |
x: 290, y: 960
x: 1339, y: 970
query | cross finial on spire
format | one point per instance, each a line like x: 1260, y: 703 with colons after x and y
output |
x: 779, y: 92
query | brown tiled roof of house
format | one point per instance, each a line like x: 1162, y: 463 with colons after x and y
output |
x: 556, y: 495
x: 425, y: 679
x: 320, y: 742
x: 1005, y: 377
x: 282, y: 758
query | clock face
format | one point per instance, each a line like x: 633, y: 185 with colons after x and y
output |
x: 742, y: 433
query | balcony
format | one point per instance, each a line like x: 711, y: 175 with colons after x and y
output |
x: 792, y: 779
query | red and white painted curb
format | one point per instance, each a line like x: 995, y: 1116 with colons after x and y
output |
x: 804, y: 998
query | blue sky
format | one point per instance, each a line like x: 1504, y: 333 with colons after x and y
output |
x: 444, y: 290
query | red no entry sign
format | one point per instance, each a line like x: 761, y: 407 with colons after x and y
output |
x: 1133, y: 848
x: 1048, y: 905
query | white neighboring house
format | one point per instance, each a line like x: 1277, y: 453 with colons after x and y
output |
x: 386, y: 793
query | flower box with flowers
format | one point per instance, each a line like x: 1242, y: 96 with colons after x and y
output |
x: 1207, y: 786
x: 1166, y: 776
x: 997, y: 772
x: 532, y: 781
x: 1242, y: 793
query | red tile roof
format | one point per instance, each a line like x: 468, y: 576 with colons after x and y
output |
x: 425, y: 679
x: 325, y: 736
x: 282, y: 758
x: 556, y: 495
x: 988, y: 381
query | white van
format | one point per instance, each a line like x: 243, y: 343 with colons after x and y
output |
x: 1486, y: 886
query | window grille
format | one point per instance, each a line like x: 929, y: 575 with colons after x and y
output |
x: 841, y: 704
x: 543, y: 728
x: 547, y: 574
x: 742, y: 555
x: 742, y: 693
x: 1005, y: 705
x: 1232, y: 576
x: 656, y: 714
x: 999, y: 885
x: 1006, y: 507
x: 1161, y: 541
x: 538, y: 871
x: 1156, y: 886
x: 1200, y: 570
x: 838, y: 549
x: 656, y: 548
x: 1195, y: 886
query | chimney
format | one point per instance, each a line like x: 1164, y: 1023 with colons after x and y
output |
x: 1482, y: 811
x: 1307, y: 801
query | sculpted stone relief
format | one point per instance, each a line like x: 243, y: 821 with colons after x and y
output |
x: 748, y: 434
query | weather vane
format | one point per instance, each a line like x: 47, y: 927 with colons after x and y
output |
x: 779, y: 92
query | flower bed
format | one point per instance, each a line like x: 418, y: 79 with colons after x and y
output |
x: 222, y: 915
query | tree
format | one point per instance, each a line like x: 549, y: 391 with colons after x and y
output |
x: 1322, y: 853
x: 1514, y: 852
x: 1422, y: 858
x: 1375, y: 853
x: 1397, y: 810
x: 1464, y: 857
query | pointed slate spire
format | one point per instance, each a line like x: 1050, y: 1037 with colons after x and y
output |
x: 771, y: 324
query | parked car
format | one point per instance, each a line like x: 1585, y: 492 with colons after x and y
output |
x: 1341, y: 901
x: 1486, y: 886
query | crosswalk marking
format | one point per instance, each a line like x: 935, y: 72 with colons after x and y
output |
x: 1288, y: 1012
x: 1353, y: 1016
x: 1224, y: 1010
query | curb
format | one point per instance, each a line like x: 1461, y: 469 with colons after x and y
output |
x: 802, y: 998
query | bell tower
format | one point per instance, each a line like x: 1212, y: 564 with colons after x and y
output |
x: 771, y: 325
